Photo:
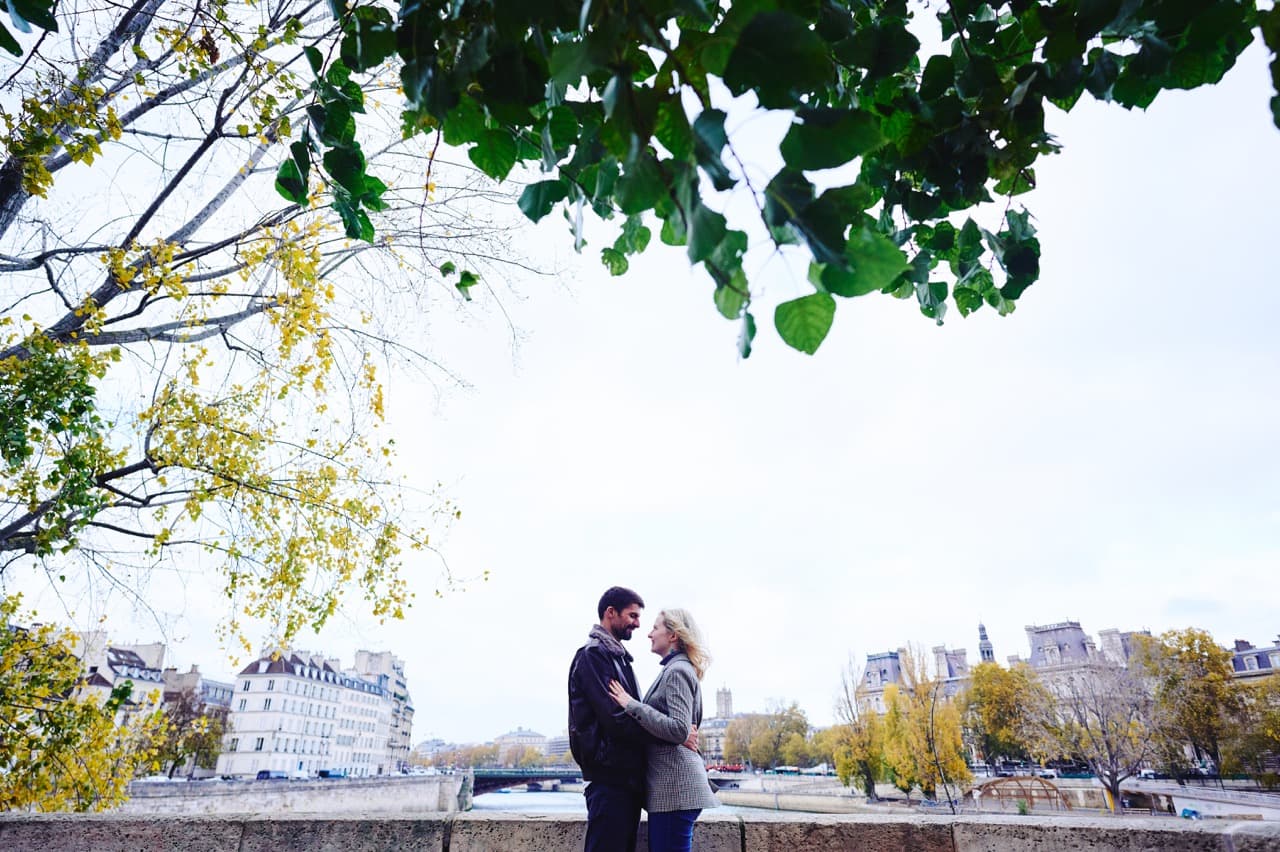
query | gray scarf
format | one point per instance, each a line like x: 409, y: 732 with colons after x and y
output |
x: 607, y: 639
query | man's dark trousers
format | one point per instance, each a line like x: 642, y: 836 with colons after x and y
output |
x: 613, y: 817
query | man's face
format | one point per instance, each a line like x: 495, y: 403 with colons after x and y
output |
x: 621, y: 624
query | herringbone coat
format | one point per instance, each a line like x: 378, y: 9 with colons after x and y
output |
x: 675, y: 777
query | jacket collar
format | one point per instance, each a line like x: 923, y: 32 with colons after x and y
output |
x: 606, y: 640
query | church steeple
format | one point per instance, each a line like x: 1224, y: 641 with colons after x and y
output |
x: 985, y: 649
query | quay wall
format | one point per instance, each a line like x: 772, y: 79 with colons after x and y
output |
x: 498, y: 832
x: 408, y: 795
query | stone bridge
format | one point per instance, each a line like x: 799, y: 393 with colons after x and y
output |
x: 488, y: 780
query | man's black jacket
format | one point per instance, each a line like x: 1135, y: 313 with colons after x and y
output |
x: 607, y: 743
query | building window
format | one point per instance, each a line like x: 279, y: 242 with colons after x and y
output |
x: 266, y: 704
x: 271, y: 684
x: 243, y: 702
x: 257, y: 744
x: 246, y: 686
x: 234, y: 745
x: 1275, y: 659
x: 1251, y: 664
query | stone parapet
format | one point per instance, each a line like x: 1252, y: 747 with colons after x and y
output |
x: 406, y: 795
x: 498, y: 832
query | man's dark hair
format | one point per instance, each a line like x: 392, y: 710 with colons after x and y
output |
x: 619, y: 598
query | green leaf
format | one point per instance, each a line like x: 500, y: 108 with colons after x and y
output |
x: 709, y: 141
x: 293, y: 174
x: 641, y: 186
x: 494, y: 154
x: 874, y: 263
x: 706, y: 230
x: 538, y: 198
x: 635, y: 236
x: 746, y: 335
x: 829, y: 137
x: 346, y: 167
x: 882, y: 48
x: 786, y: 196
x: 672, y: 129
x: 571, y: 61
x: 732, y: 298
x: 967, y: 301
x: 467, y: 280
x: 355, y: 221
x: 370, y: 38
x: 1023, y: 180
x: 38, y: 12
x: 448, y: 268
x: 780, y: 58
x: 939, y: 76
x: 803, y: 323
x: 563, y: 125
x: 464, y: 123
x: 8, y: 42
x: 615, y: 260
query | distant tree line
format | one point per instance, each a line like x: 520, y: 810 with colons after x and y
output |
x: 1176, y: 707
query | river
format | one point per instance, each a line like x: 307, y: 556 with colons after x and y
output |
x: 548, y: 802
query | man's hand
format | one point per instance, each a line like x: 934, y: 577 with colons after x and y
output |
x: 691, y: 742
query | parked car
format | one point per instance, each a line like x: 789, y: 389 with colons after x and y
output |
x: 1046, y: 772
x: 272, y: 775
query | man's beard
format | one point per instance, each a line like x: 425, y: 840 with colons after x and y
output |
x: 622, y: 634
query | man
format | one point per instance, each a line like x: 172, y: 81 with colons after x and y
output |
x: 607, y: 743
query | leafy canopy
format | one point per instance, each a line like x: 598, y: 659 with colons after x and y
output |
x: 622, y: 107
x: 191, y: 368
x: 64, y: 747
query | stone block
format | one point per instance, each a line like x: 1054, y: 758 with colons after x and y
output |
x: 108, y: 833
x: 500, y: 832
x: 714, y: 832
x: 810, y: 833
x: 494, y: 831
x: 1112, y: 834
x: 310, y: 834
x: 1252, y: 837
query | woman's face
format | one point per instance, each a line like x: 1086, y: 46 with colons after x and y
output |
x: 661, y: 640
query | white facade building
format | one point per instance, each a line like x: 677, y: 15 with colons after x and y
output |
x: 299, y: 713
x: 387, y: 670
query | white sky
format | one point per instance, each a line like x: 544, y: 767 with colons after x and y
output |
x: 1106, y: 454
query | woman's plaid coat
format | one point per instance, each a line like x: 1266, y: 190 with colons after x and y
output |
x: 675, y: 777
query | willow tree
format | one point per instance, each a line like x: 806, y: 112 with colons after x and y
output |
x: 191, y: 367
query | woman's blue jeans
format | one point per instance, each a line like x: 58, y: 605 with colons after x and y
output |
x: 672, y: 831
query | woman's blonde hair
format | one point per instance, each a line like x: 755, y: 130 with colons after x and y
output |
x: 688, y: 638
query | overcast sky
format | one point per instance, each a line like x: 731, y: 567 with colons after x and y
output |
x: 1107, y: 454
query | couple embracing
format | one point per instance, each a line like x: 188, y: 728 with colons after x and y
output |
x: 639, y: 753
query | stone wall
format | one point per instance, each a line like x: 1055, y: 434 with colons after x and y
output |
x: 408, y: 795
x: 495, y: 832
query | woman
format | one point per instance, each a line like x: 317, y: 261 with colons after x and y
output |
x: 676, y: 786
